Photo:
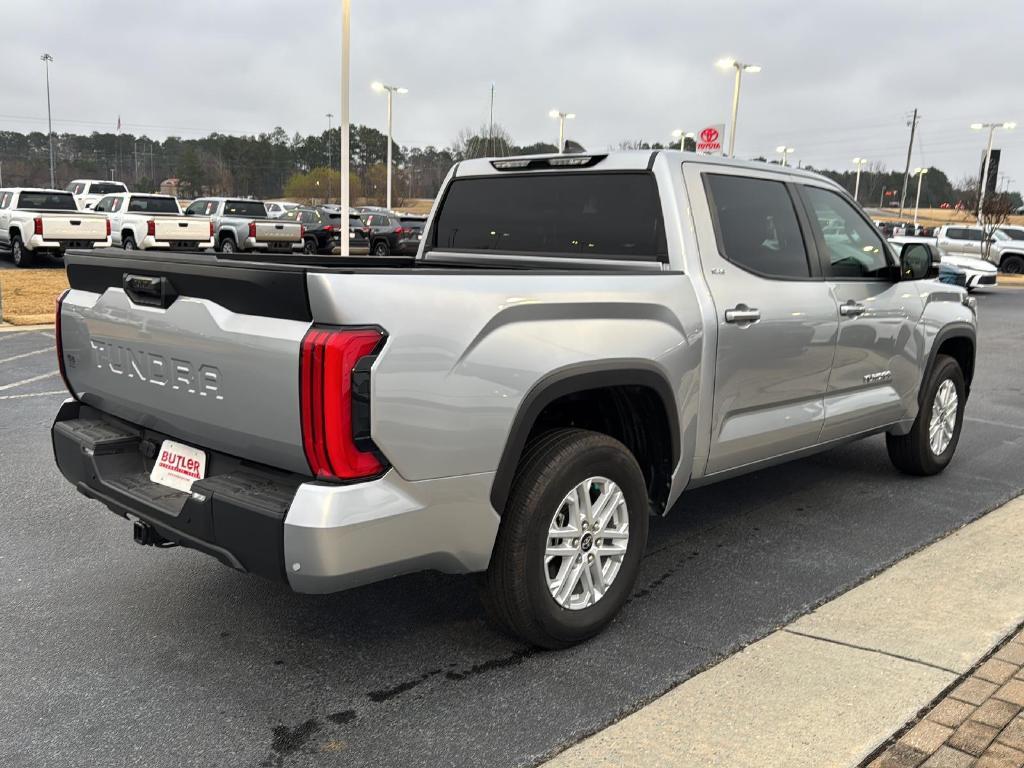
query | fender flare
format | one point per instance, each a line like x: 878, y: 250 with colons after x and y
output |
x: 956, y: 330
x: 566, y: 381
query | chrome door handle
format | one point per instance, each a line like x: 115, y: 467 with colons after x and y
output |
x: 851, y: 309
x: 741, y: 313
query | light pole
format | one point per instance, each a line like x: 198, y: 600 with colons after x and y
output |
x: 988, y: 157
x: 46, y: 59
x: 682, y: 135
x: 329, y: 116
x: 859, y: 162
x: 346, y: 6
x: 785, y: 152
x: 919, y: 172
x: 740, y: 68
x: 391, y: 90
x: 561, y: 117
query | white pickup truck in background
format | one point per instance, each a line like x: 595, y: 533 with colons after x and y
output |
x: 88, y: 192
x: 141, y: 222
x: 34, y: 221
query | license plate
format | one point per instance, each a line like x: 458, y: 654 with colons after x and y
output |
x: 178, y: 466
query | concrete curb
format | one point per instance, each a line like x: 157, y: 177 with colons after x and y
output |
x: 831, y: 687
x: 10, y: 328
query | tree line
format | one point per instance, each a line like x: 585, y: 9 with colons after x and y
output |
x: 274, y: 164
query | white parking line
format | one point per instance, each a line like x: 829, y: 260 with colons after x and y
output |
x: 34, y: 394
x: 28, y: 381
x: 27, y: 354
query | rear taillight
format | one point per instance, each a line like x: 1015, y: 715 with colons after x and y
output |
x: 108, y: 227
x: 328, y: 228
x: 211, y: 229
x: 151, y: 228
x: 60, y: 344
x: 37, y: 226
x: 399, y: 230
x: 302, y: 230
x: 252, y: 229
x: 334, y: 399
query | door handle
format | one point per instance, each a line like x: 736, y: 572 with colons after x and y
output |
x: 851, y: 309
x: 741, y: 313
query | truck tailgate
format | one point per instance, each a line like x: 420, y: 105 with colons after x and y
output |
x: 181, y: 228
x: 74, y: 226
x: 217, y: 367
x: 274, y: 231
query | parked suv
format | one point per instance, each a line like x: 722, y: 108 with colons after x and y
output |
x: 322, y: 233
x: 390, y: 235
x: 580, y: 339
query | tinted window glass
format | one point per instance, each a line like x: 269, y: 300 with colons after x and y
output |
x: 586, y: 214
x: 852, y: 245
x: 955, y: 233
x: 248, y: 208
x: 1014, y: 234
x: 976, y: 235
x: 116, y: 203
x: 290, y: 216
x: 5, y: 199
x: 144, y: 204
x: 106, y: 188
x: 757, y: 226
x: 52, y: 201
x: 102, y: 205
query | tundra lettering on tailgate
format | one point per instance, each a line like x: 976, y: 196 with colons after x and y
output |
x: 152, y: 368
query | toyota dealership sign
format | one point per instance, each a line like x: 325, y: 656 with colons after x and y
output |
x: 709, y: 140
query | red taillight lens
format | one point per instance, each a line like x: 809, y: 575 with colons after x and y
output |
x: 211, y: 229
x: 302, y: 230
x: 326, y: 397
x: 37, y: 224
x: 60, y: 344
x: 108, y: 227
x: 151, y: 228
x: 252, y: 229
x: 399, y: 230
x: 328, y: 228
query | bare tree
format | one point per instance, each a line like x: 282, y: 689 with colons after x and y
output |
x: 995, y: 210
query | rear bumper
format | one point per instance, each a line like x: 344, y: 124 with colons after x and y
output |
x: 252, y: 244
x: 151, y: 242
x: 320, y: 537
x: 38, y: 242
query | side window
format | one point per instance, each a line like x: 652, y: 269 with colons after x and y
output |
x: 115, y: 204
x: 976, y: 235
x: 196, y: 209
x: 756, y: 225
x: 5, y: 200
x: 102, y: 205
x: 953, y: 233
x: 852, y: 246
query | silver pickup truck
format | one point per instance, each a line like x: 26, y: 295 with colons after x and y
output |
x: 245, y: 226
x: 579, y: 340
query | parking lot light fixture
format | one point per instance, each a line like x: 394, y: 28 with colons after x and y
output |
x: 46, y: 59
x: 682, y: 135
x: 561, y: 117
x: 1007, y: 126
x: 785, y: 152
x: 390, y: 90
x: 740, y: 68
x: 919, y: 172
x: 859, y: 162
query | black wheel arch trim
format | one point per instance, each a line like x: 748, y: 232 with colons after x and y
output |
x: 566, y: 381
x: 957, y: 330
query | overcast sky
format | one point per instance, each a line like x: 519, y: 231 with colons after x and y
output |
x: 840, y: 78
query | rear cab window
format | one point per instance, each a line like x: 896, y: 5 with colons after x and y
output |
x: 152, y: 204
x: 252, y: 209
x: 106, y: 188
x: 47, y: 201
x: 584, y: 215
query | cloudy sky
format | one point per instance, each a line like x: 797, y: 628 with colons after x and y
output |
x: 840, y: 77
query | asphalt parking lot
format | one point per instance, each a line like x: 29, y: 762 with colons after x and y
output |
x: 116, y: 654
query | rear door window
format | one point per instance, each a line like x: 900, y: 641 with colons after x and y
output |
x: 600, y: 215
x: 756, y: 225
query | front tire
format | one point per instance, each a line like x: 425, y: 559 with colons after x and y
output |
x: 929, y: 446
x: 571, y: 539
x: 19, y: 255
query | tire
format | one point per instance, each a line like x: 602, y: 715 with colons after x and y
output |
x: 20, y: 256
x: 128, y: 243
x: 914, y: 453
x: 227, y: 245
x: 381, y: 248
x: 516, y: 589
x: 309, y: 246
x: 1012, y: 265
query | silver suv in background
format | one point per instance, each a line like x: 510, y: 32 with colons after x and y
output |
x: 579, y: 340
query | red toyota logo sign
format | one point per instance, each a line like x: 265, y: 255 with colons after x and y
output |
x: 709, y: 136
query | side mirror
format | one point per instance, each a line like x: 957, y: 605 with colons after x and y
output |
x: 918, y: 261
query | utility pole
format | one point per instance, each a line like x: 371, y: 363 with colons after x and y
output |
x: 46, y: 59
x: 906, y: 172
x: 346, y: 6
x: 490, y: 126
x: 329, y: 163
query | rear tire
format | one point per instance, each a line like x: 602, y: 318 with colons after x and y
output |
x: 227, y: 245
x: 19, y: 255
x: 1012, y: 265
x: 309, y: 246
x: 929, y: 446
x: 382, y: 248
x: 557, y: 471
x: 128, y: 243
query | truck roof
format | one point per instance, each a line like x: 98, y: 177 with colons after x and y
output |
x: 35, y: 189
x: 618, y: 160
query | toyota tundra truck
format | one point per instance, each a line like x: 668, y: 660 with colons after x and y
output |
x: 244, y: 226
x: 38, y: 221
x: 141, y: 222
x: 579, y: 340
